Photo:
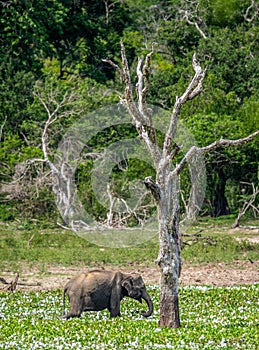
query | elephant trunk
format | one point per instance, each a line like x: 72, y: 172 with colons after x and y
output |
x: 148, y: 300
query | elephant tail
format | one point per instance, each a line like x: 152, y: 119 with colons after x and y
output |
x: 64, y: 301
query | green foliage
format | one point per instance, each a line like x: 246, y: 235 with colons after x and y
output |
x: 15, y: 95
x: 234, y: 67
x: 249, y: 112
x: 221, y: 164
x: 212, y: 318
x: 28, y: 28
x: 52, y: 41
x: 35, y: 30
x: 7, y: 150
x: 221, y: 249
x: 227, y: 13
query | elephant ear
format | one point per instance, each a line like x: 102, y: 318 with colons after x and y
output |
x: 127, y: 283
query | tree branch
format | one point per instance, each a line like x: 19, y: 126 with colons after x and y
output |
x: 143, y: 84
x: 139, y: 112
x: 109, y: 8
x: 220, y: 143
x: 6, y: 3
x: 153, y: 188
x: 254, y: 6
x: 193, y: 89
x: 116, y: 67
x: 191, y: 14
x: 247, y: 204
x: 223, y: 142
x: 146, y: 72
x: 56, y: 108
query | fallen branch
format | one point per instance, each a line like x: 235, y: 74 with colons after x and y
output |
x: 2, y: 280
x: 196, y: 238
x: 247, y: 227
x: 11, y: 286
x: 29, y: 241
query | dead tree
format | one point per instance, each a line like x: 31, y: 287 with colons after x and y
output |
x: 58, y: 105
x: 191, y: 13
x: 165, y: 188
x: 249, y: 203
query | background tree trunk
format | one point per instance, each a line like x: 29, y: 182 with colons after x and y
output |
x: 220, y: 203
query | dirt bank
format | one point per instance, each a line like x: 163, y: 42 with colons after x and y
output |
x: 241, y: 272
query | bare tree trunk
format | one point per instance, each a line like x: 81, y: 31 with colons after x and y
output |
x: 169, y: 305
x: 169, y: 257
x: 169, y: 263
x: 165, y: 190
x: 61, y: 106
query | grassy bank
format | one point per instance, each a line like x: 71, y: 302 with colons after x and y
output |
x: 33, y: 243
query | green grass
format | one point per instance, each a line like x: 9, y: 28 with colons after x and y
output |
x: 38, y: 244
x: 224, y: 244
x: 63, y: 247
x: 211, y: 318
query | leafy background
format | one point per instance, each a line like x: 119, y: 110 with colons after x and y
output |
x: 58, y: 46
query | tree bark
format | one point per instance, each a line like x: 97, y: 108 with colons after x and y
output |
x: 169, y: 257
x: 169, y: 263
x: 169, y: 307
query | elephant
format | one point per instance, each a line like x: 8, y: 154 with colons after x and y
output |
x: 102, y: 289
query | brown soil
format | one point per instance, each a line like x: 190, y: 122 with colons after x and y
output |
x: 242, y: 272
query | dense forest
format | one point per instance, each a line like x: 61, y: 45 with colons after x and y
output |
x: 51, y: 56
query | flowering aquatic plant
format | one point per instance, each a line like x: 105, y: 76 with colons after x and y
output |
x: 212, y: 318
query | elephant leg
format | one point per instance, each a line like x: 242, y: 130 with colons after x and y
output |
x: 76, y: 307
x: 71, y: 314
x: 114, y: 305
x: 115, y: 299
x: 114, y: 312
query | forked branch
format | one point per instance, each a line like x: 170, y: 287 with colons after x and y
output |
x: 193, y: 89
x: 190, y: 12
x: 144, y: 75
x: 57, y: 107
x: 139, y: 111
x: 220, y: 143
